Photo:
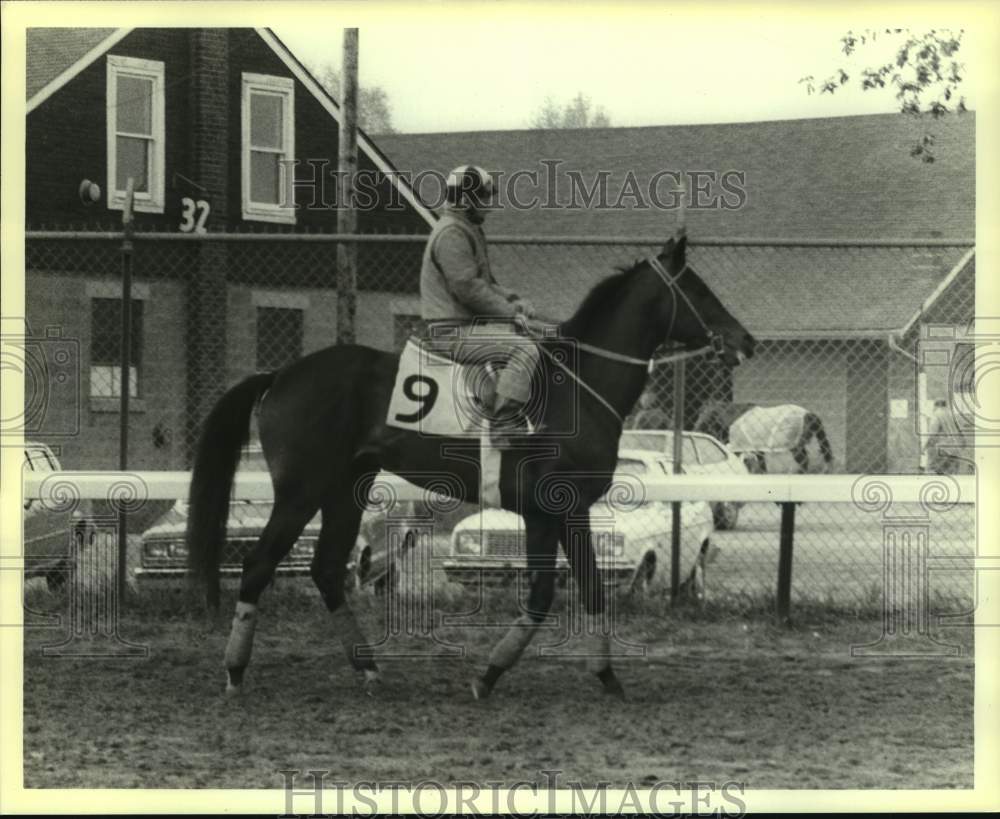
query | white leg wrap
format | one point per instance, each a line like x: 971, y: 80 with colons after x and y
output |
x: 240, y: 644
x: 508, y: 651
x: 597, y: 642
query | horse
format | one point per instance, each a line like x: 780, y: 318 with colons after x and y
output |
x: 718, y: 417
x: 322, y: 424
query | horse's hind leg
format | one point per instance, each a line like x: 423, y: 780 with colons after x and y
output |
x: 287, y: 521
x: 341, y: 521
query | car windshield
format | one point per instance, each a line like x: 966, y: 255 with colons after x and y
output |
x: 655, y: 440
x: 709, y: 452
x: 667, y: 465
x: 631, y: 466
x: 39, y: 460
x: 688, y: 453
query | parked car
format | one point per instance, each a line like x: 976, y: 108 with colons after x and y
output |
x: 164, y: 552
x: 632, y: 544
x: 701, y: 454
x: 53, y: 536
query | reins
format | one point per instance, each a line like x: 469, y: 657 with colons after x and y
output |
x: 713, y: 347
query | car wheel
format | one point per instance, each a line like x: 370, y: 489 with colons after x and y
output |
x: 725, y: 514
x: 642, y: 580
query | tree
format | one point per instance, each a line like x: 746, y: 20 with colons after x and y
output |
x: 575, y: 114
x: 374, y: 108
x: 924, y: 72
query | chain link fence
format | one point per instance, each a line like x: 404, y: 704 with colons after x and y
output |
x: 855, y: 370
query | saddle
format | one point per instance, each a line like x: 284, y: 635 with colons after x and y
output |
x: 435, y: 395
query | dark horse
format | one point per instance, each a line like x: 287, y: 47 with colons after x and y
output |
x: 322, y: 425
x: 717, y: 418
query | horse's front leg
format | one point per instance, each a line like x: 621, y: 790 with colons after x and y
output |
x: 542, y: 535
x: 577, y: 540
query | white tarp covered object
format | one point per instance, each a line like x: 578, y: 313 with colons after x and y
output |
x: 767, y: 429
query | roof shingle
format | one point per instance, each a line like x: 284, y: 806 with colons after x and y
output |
x: 50, y: 51
x: 843, y: 177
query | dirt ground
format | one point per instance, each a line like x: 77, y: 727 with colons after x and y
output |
x: 711, y: 696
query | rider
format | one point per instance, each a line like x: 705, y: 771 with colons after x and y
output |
x: 468, y: 314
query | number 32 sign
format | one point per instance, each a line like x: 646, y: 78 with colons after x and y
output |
x: 193, y: 215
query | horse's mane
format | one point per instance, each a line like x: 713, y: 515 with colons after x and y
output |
x: 602, y: 299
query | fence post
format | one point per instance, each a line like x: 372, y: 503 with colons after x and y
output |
x: 347, y: 221
x: 785, y: 562
x: 125, y: 379
x: 675, y: 507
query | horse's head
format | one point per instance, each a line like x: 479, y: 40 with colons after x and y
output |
x: 695, y: 316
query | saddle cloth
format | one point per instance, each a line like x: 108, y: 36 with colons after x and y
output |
x: 434, y: 395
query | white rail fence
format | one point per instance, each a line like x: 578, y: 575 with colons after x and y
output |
x: 867, y: 491
x: 903, y: 506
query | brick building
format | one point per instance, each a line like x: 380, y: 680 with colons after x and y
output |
x: 207, y: 123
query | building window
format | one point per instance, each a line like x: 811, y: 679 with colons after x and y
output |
x: 135, y: 132
x: 105, y: 348
x: 279, y: 337
x: 268, y: 107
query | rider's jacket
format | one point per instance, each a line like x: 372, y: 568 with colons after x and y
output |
x: 455, y: 279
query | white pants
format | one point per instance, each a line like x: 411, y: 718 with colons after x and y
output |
x: 495, y: 342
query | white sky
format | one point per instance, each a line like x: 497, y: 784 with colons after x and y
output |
x: 460, y: 76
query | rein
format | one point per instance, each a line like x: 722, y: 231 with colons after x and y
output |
x: 713, y: 347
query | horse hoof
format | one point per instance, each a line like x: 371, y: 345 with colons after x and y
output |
x: 480, y: 690
x: 233, y: 692
x: 373, y: 680
x: 612, y: 686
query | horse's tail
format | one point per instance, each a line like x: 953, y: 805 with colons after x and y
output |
x: 225, y: 433
x: 816, y: 427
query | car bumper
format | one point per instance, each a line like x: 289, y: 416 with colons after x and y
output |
x: 229, y: 576
x: 470, y: 572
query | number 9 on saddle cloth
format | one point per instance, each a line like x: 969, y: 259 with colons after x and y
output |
x: 451, y: 379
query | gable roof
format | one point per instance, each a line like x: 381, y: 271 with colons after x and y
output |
x: 775, y: 292
x: 841, y: 177
x: 55, y: 56
x: 828, y: 179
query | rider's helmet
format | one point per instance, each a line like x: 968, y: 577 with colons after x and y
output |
x: 470, y: 185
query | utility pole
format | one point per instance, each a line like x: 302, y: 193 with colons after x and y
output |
x: 347, y: 167
x: 678, y: 450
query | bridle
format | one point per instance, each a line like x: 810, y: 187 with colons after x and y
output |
x: 714, y: 347
x: 715, y: 344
